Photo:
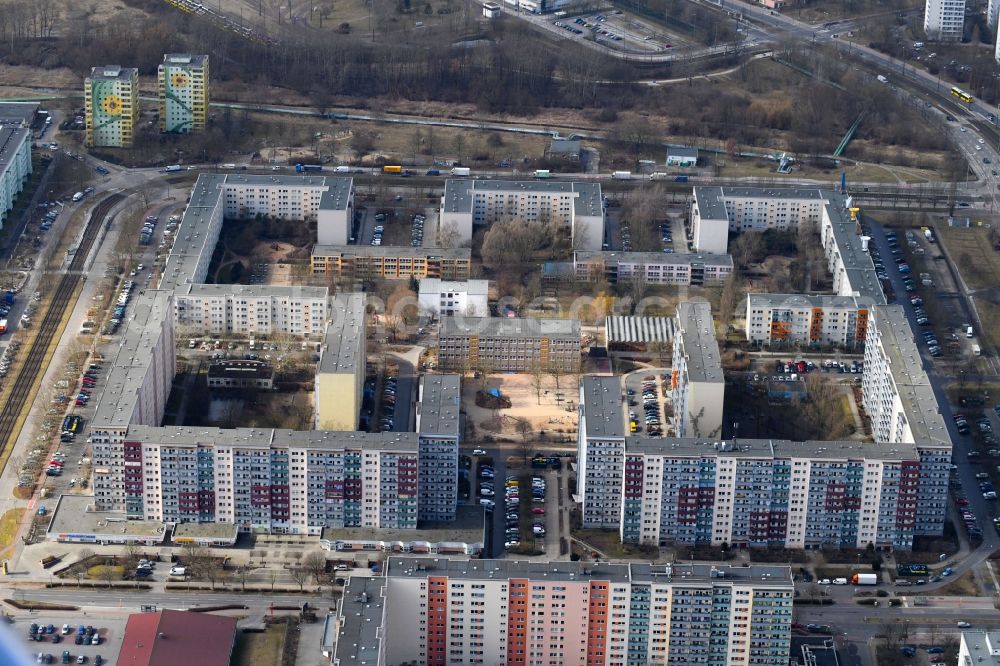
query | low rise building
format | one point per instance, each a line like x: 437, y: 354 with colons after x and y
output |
x: 450, y: 298
x: 498, y: 344
x: 15, y: 165
x: 111, y: 102
x: 177, y: 637
x: 697, y: 383
x: 776, y: 320
x: 241, y: 375
x: 571, y: 613
x: 367, y: 262
x: 653, y: 268
x: 574, y: 206
x: 340, y: 375
x: 249, y: 310
x: 682, y: 156
x: 564, y: 149
x: 19, y: 114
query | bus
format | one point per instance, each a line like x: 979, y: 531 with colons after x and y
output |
x: 961, y: 94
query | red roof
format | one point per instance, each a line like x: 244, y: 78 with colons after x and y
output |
x: 172, y: 637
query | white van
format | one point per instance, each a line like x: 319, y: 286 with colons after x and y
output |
x: 840, y: 581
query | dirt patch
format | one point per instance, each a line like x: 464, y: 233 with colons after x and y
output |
x: 260, y: 648
x: 973, y: 254
x: 539, y: 402
x: 8, y: 529
x: 963, y: 586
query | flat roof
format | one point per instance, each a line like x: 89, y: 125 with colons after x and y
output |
x: 509, y: 327
x: 18, y: 113
x: 561, y: 146
x: 614, y: 572
x: 113, y: 72
x: 688, y: 447
x: 130, y: 365
x: 74, y: 515
x: 711, y: 204
x: 470, y: 287
x: 656, y: 258
x: 241, y: 369
x: 908, y: 376
x: 808, y: 301
x: 263, y: 438
x: 439, y: 406
x: 360, y: 617
x: 344, y: 341
x: 391, y: 251
x: 983, y: 646
x: 253, y: 291
x: 196, y: 60
x: 11, y: 139
x: 205, y: 531
x: 603, y: 413
x: 459, y: 193
x: 701, y: 349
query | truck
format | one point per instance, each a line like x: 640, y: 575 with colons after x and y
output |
x: 300, y: 168
x: 542, y: 173
x: 882, y: 79
x: 659, y: 175
x: 392, y: 169
x: 461, y: 171
x: 342, y: 169
x: 77, y: 196
x: 227, y: 166
x: 172, y: 168
x: 864, y: 579
x: 622, y: 175
x: 976, y: 351
x: 3, y: 326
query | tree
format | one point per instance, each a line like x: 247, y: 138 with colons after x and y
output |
x: 82, y: 557
x: 510, y: 243
x: 538, y: 381
x: 315, y: 564
x: 130, y: 556
x: 107, y: 571
x: 300, y: 575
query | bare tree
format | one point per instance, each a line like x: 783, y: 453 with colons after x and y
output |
x: 315, y: 564
x: 299, y: 574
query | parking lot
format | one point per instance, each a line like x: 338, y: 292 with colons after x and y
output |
x: 650, y: 409
x: 63, y: 639
x: 620, y: 31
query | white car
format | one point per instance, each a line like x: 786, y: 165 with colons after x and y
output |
x: 479, y: 452
x: 964, y: 625
x: 178, y: 571
x: 823, y: 581
x: 489, y: 504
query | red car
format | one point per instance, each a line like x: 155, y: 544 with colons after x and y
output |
x: 538, y: 511
x: 962, y: 502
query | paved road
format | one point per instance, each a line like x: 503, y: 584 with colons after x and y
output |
x: 187, y: 599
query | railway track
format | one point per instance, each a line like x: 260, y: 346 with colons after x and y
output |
x: 35, y: 361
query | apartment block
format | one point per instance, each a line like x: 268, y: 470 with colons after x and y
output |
x: 439, y: 426
x: 697, y: 384
x: 215, y: 197
x: 20, y: 114
x: 754, y: 493
x: 111, y: 102
x: 15, y: 164
x: 979, y: 648
x: 278, y: 481
x: 898, y: 398
x: 498, y: 344
x: 576, y: 207
x: 449, y: 298
x: 776, y: 320
x: 182, y: 82
x: 653, y: 268
x: 944, y: 20
x: 340, y: 375
x: 441, y: 611
x: 367, y: 262
x: 227, y: 309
